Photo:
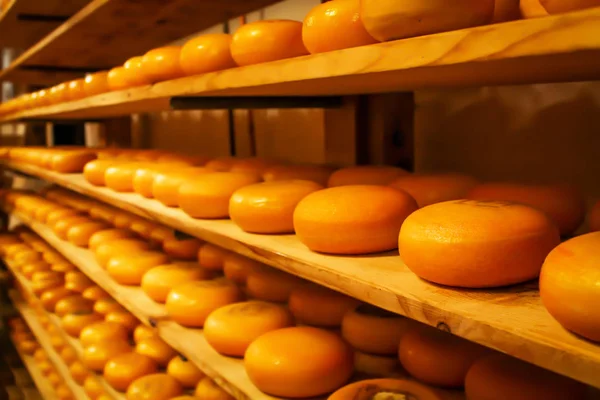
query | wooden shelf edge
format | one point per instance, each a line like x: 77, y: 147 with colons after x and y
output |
x: 42, y: 385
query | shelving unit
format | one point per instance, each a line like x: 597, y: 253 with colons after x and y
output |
x: 512, y: 320
x: 43, y: 389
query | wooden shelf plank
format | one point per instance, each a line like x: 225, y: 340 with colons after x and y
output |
x: 106, y: 33
x: 44, y: 389
x: 552, y: 49
x: 512, y: 320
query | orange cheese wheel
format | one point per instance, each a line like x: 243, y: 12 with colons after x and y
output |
x: 265, y: 41
x: 33, y: 267
x: 162, y: 64
x: 94, y: 293
x: 562, y: 6
x: 272, y: 362
x: 142, y: 332
x: 207, y: 389
x: 61, y: 228
x: 158, y: 281
x: 125, y: 318
x: 431, y: 189
x: 271, y: 285
x: 316, y: 305
x: 165, y: 187
x: 120, y: 371
x: 73, y: 304
x: 96, y: 83
x: 569, y: 284
x: 103, y: 213
x: 595, y: 218
x: 335, y: 26
x: 80, y: 234
x: 161, y: 234
x: 128, y: 269
x: 376, y: 365
x: 314, y: 173
x: 220, y: 164
x: 268, y: 207
x: 118, y: 79
x: 108, y: 235
x: 231, y: 329
x: 74, y: 323
x: 106, y: 251
x: 106, y: 306
x: 97, y: 355
x: 72, y: 161
x: 134, y: 71
x: 51, y: 297
x: 207, y: 196
x: 436, y: 357
x: 342, y: 220
x: 61, y: 214
x: 77, y: 281
x: 186, y: 373
x: 365, y: 175
x: 154, y: 387
x: 102, y: 331
x: 120, y: 177
x: 212, y: 257
x: 94, y: 171
x: 564, y: 205
x: 207, y: 53
x: 372, y: 388
x: 373, y: 330
x: 143, y: 227
x: 124, y: 220
x: 156, y: 349
x: 476, y: 244
x: 190, y: 303
x: 143, y: 180
x: 499, y: 377
x: 185, y: 249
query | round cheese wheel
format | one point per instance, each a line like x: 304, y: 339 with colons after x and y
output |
x: 343, y: 220
x: 316, y: 305
x: 392, y: 19
x: 595, y: 218
x: 231, y: 329
x: 162, y: 64
x: 165, y: 187
x: 96, y: 83
x: 158, y: 281
x: 377, y: 366
x: 102, y: 331
x: 265, y: 41
x: 190, y: 303
x: 271, y: 285
x: 80, y: 234
x: 71, y: 161
x: 50, y: 297
x: 71, y: 304
x: 143, y: 180
x: 209, y: 390
x: 60, y: 215
x: 77, y: 281
x: 120, y: 177
x: 569, y: 284
x: 186, y: 373
x: 185, y: 249
x: 161, y: 234
x: 106, y: 306
x: 207, y: 196
x: 118, y: 79
x: 207, y: 53
x: 134, y: 70
x: 279, y: 364
x: 106, y: 251
x: 212, y: 257
x: 220, y: 164
x: 108, y: 235
x: 157, y: 349
x: 373, y: 330
x: 392, y: 388
x: 103, y: 213
x: 268, y: 207
x: 94, y: 293
x: 314, y: 173
x: 500, y: 377
x: 120, y: 371
x: 97, y: 355
x: 61, y: 228
x: 142, y: 332
x: 123, y: 317
x: 124, y: 220
x: 564, y: 205
x: 154, y: 387
x: 562, y: 6
x: 128, y: 269
x: 365, y: 175
x: 74, y: 323
x: 476, y: 244
x: 335, y: 26
x: 33, y: 267
x: 143, y: 227
x: 436, y: 357
x: 430, y: 189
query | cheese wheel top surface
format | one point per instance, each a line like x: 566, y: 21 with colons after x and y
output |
x: 365, y: 175
x: 393, y: 388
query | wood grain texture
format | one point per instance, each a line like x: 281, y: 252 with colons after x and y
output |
x: 44, y: 388
x: 552, y: 49
x: 512, y: 320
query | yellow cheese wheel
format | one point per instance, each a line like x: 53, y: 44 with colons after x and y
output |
x: 125, y: 318
x: 158, y: 281
x: 377, y: 366
x: 128, y: 269
x: 392, y: 19
x: 120, y: 177
x: 142, y: 332
x: 71, y: 161
x: 365, y: 175
x: 279, y: 364
x: 376, y: 388
x: 154, y: 387
x: 33, y: 267
x: 97, y: 355
x: 190, y: 303
x: 468, y: 243
x: 51, y: 297
x: 230, y: 329
x: 120, y: 371
x: 61, y: 228
x: 207, y: 389
x: 207, y: 196
x: 106, y: 251
x: 124, y: 220
x: 58, y: 215
x: 184, y: 249
x: 212, y: 257
x: 569, y: 284
x: 102, y: 331
x: 143, y: 227
x: 316, y: 305
x: 74, y: 323
x: 162, y: 64
x: 156, y: 349
x: 342, y: 220
x: 94, y: 293
x: 107, y: 305
x: 80, y: 234
x: 143, y: 178
x: 77, y: 281
x: 94, y: 171
x: 271, y: 285
x: 207, y: 53
x: 108, y: 235
x: 186, y: 373
x: 165, y: 187
x: 268, y: 207
x: 595, y: 218
x: 563, y: 204
x: 430, y: 189
x: 373, y: 330
x: 314, y: 173
x: 500, y: 377
x: 436, y: 357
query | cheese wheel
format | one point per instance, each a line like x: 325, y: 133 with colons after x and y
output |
x: 430, y: 189
x: 271, y: 285
x: 102, y: 212
x: 220, y: 164
x: 186, y: 373
x: 499, y: 377
x: 51, y: 297
x: 120, y: 177
x: 154, y: 387
x: 60, y: 214
x: 563, y: 6
x: 123, y: 317
x: 61, y: 228
x: 314, y: 173
x: 436, y: 357
x: 33, y: 267
x: 564, y: 205
x: 212, y: 257
x: 142, y: 332
x: 279, y: 364
x: 207, y: 196
x: 71, y: 161
x: 185, y: 249
x: 108, y: 235
x: 343, y: 220
x: 165, y: 187
x: 335, y: 26
x: 128, y: 269
x: 569, y: 285
x: 595, y: 218
x: 268, y: 207
x: 124, y: 220
x: 231, y: 329
x: 120, y: 371
x: 477, y: 244
x: 77, y: 281
x: 96, y: 83
x: 74, y: 323
x: 97, y: 355
x: 384, y: 388
x: 143, y: 227
x: 162, y: 64
x: 106, y: 306
x: 161, y: 234
x: 94, y: 293
x: 143, y: 180
x: 80, y: 234
x: 316, y: 305
x: 118, y: 79
x: 102, y: 331
x: 134, y: 71
x: 207, y: 389
x: 207, y: 53
x: 377, y: 366
x: 365, y: 175
x: 158, y: 281
x: 373, y: 330
x: 391, y: 19
x: 156, y: 349
x: 106, y: 251
x: 190, y: 303
x: 265, y: 41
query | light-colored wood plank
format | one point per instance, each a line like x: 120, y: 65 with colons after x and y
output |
x: 552, y: 49
x: 512, y: 320
x: 44, y: 389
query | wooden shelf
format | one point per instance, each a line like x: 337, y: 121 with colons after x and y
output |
x: 552, y: 49
x: 44, y: 389
x: 512, y: 320
x: 106, y: 33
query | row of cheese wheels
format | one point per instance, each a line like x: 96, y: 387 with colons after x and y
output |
x: 339, y: 24
x: 366, y: 329
x: 27, y: 344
